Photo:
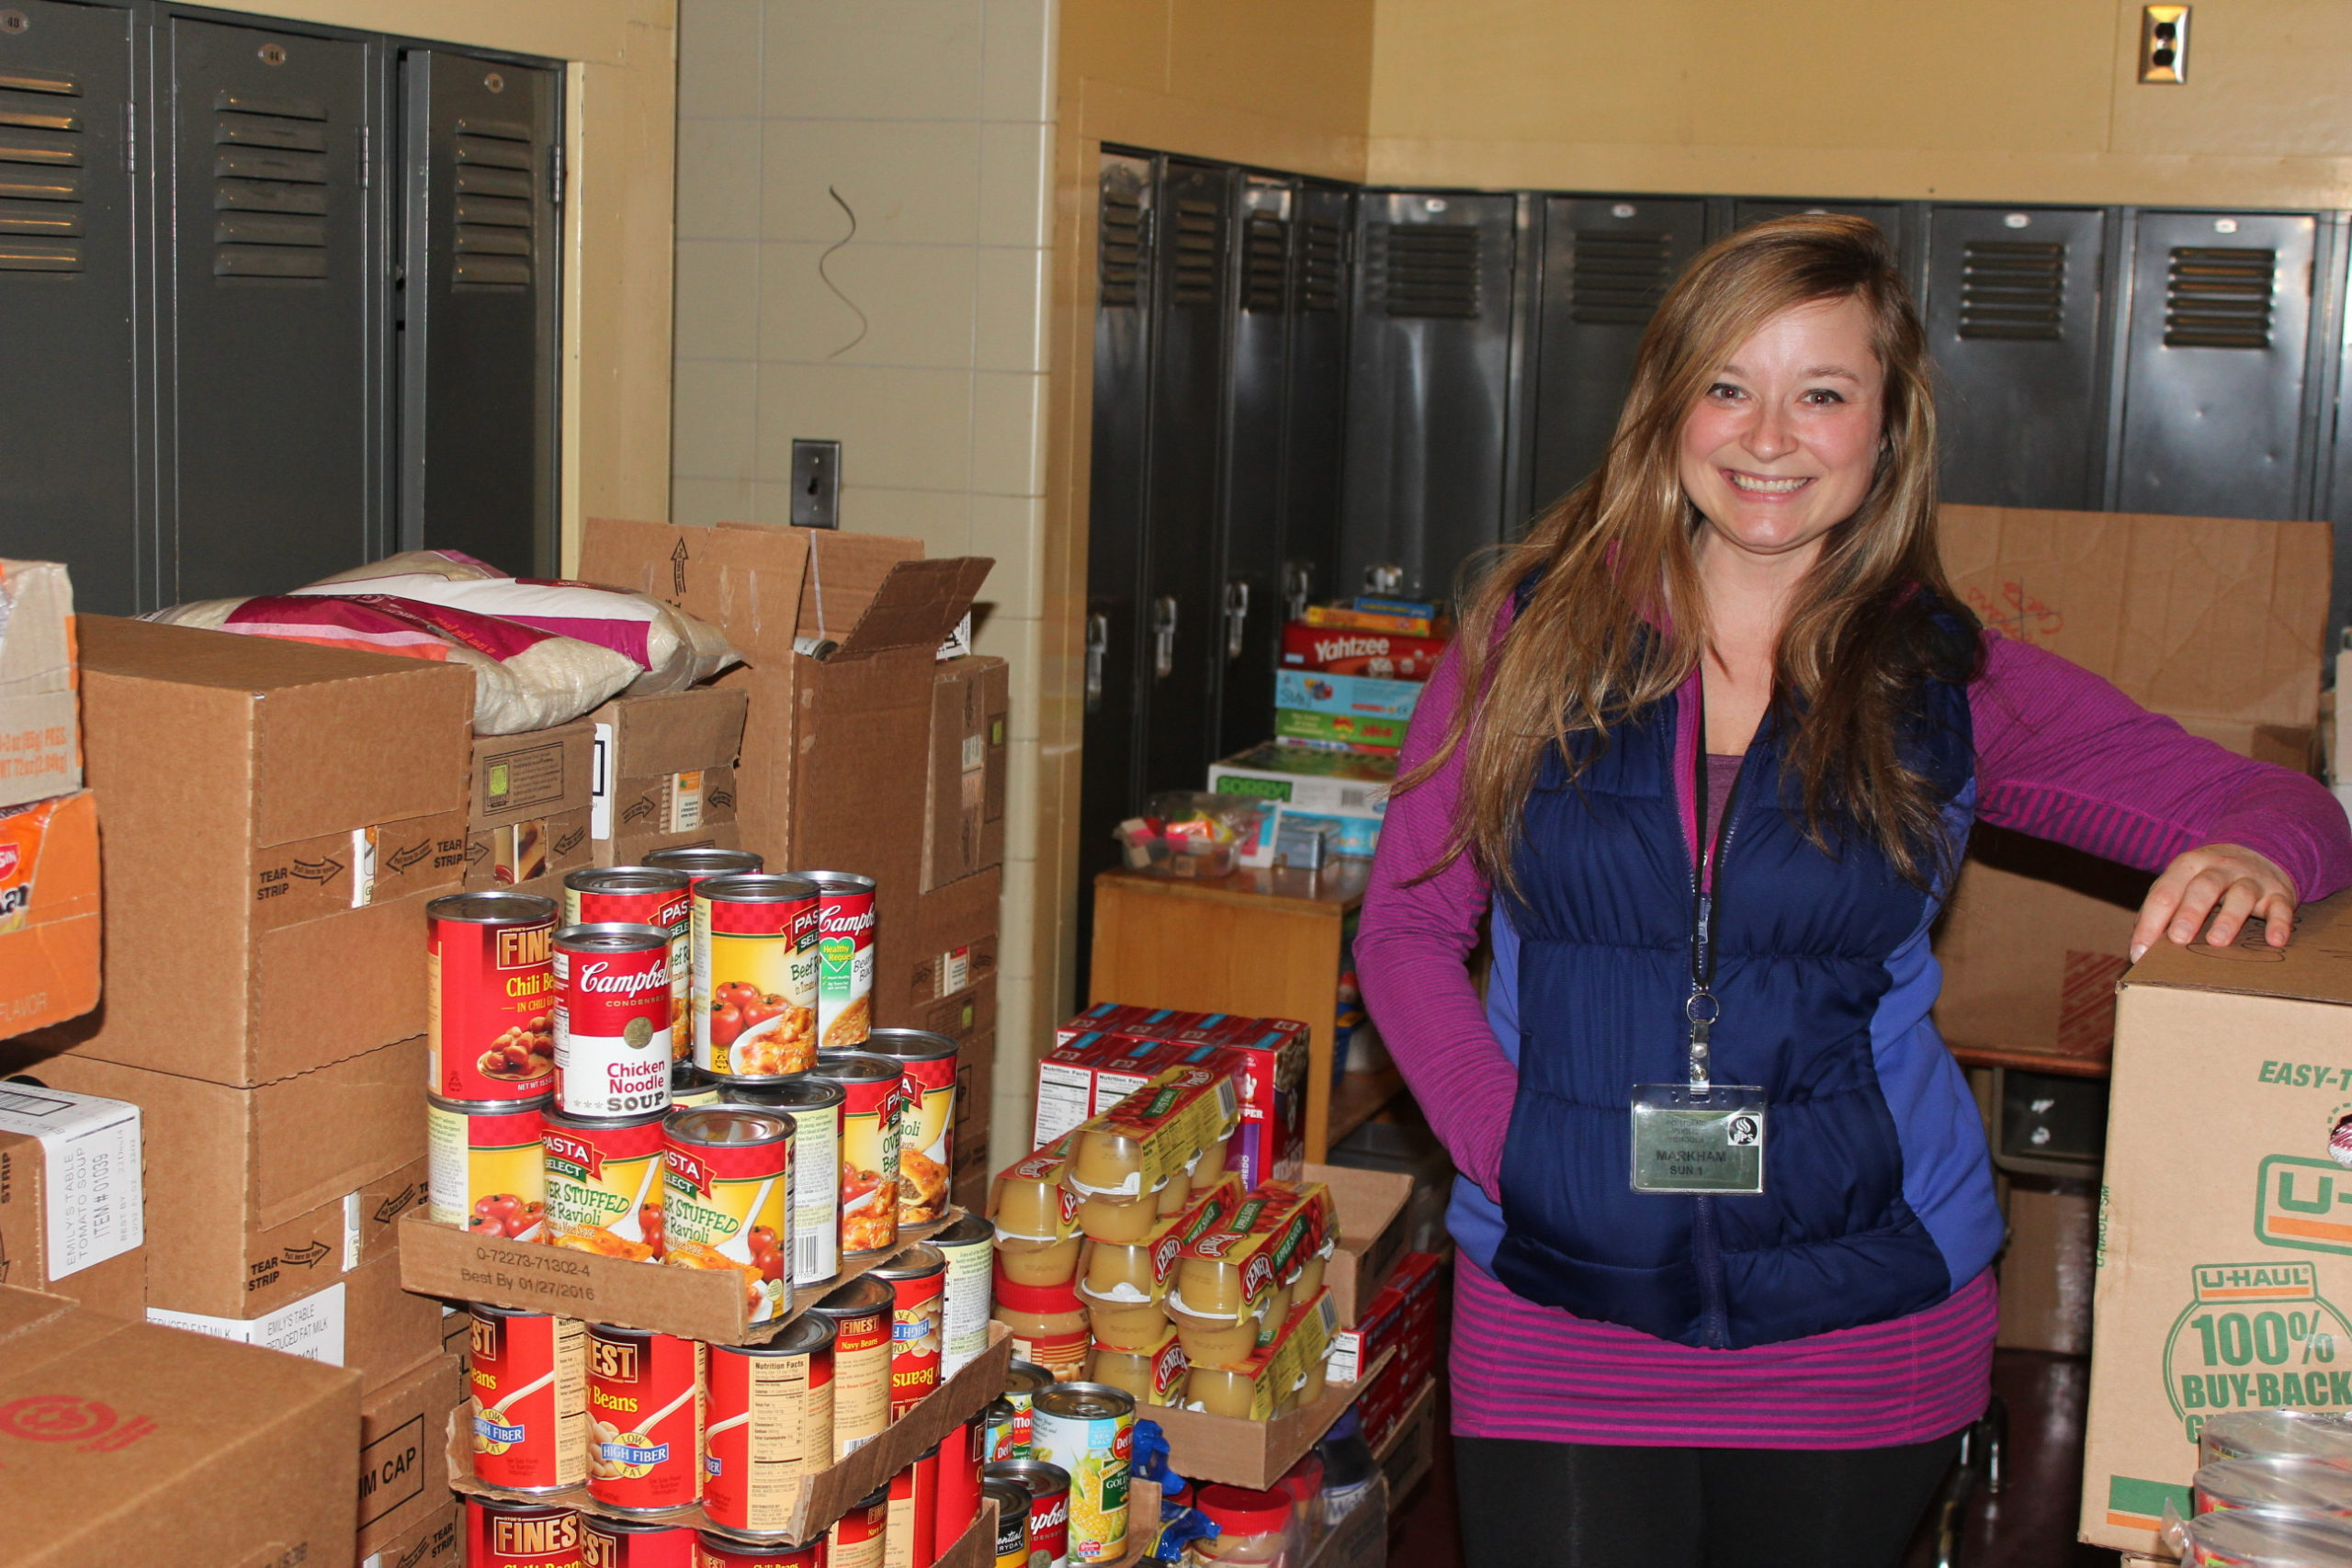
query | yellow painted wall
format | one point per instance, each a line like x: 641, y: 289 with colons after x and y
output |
x: 1999, y: 100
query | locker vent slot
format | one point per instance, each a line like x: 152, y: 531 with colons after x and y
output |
x: 1119, y: 246
x: 1199, y: 237
x: 1429, y: 270
x: 1321, y: 269
x: 492, y: 227
x: 2219, y: 296
x: 40, y: 173
x: 1616, y: 280
x: 269, y: 186
x: 2012, y: 291
x: 1264, y: 261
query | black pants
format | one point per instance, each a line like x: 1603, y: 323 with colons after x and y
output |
x: 1532, y: 1505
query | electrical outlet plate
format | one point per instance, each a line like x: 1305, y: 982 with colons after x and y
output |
x: 2164, y: 44
x: 816, y: 484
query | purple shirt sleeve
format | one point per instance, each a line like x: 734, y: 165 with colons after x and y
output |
x: 2063, y: 755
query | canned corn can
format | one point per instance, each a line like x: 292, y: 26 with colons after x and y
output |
x: 770, y: 1425
x: 489, y: 995
x: 926, y: 1118
x: 1088, y: 1429
x: 527, y: 1399
x: 917, y: 1278
x: 754, y: 982
x: 860, y: 1536
x: 502, y: 1533
x: 870, y: 1108
x: 635, y: 1543
x: 815, y: 1107
x: 1012, y: 1501
x: 726, y: 1184
x: 641, y: 895
x: 862, y: 1313
x: 486, y: 1167
x: 603, y: 1184
x: 914, y: 1505
x: 844, y: 958
x: 612, y: 1020
x: 969, y: 1246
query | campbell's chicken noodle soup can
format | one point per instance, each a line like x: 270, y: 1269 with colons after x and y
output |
x: 870, y: 1108
x: 608, y: 1542
x: 815, y: 1106
x: 969, y: 1246
x: 917, y: 1280
x: 603, y: 1183
x: 689, y: 1086
x: 486, y: 1169
x: 489, y: 995
x: 959, y: 1483
x: 769, y: 1425
x: 726, y: 1190
x: 1088, y: 1429
x: 505, y: 1532
x: 926, y: 1118
x: 914, y: 1507
x: 642, y: 896
x: 860, y: 1536
x: 1048, y: 1489
x: 755, y: 984
x: 612, y: 1020
x: 862, y: 1313
x: 1011, y: 1500
x: 844, y: 958
x: 527, y: 1399
x: 644, y: 1420
x: 720, y: 1549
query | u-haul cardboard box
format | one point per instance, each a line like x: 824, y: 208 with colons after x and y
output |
x: 2224, y: 1279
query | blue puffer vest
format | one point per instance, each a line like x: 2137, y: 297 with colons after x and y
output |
x: 1878, y: 1197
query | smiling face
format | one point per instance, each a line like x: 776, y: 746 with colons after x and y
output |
x: 1781, y: 447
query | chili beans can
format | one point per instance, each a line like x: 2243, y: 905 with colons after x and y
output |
x: 503, y: 1533
x: 959, y: 1483
x: 726, y: 1183
x: 527, y: 1390
x: 487, y: 1170
x: 644, y: 1420
x: 635, y: 1543
x: 770, y: 1425
x: 698, y: 861
x: 860, y: 1536
x: 641, y: 895
x: 815, y: 1106
x: 603, y: 1183
x: 720, y: 1549
x: 917, y: 1279
x: 862, y: 1314
x: 612, y: 1020
x: 870, y: 1107
x: 1088, y: 1429
x: 1048, y: 1489
x: 926, y: 1118
x: 689, y: 1086
x: 844, y: 958
x: 489, y: 995
x: 1011, y: 1500
x: 754, y: 983
x: 914, y: 1506
x: 969, y: 1246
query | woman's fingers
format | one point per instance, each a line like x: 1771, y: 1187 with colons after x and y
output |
x: 2237, y: 901
x: 2163, y: 898
x: 2224, y: 883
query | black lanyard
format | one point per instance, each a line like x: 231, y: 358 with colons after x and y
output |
x: 1702, y: 1008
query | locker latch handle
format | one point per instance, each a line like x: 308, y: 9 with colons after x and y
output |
x: 1298, y: 586
x: 1163, y: 636
x: 1098, y: 643
x: 1237, y: 615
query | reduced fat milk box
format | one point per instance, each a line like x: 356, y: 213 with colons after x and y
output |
x: 2224, y: 1261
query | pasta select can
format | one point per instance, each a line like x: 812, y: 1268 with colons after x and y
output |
x: 640, y: 895
x: 489, y: 995
x: 815, y: 1106
x: 870, y: 1112
x: 1088, y: 1430
x: 725, y: 1188
x: 487, y: 1170
x: 603, y: 1184
x: 926, y: 1118
x: 754, y: 985
x: 528, y: 1387
x: 844, y: 958
x: 771, y: 1426
x: 644, y: 1420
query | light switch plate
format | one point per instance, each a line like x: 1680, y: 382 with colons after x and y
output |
x: 816, y: 484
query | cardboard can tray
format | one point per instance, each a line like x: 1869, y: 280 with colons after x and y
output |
x: 693, y: 1303
x: 831, y: 1493
x: 1252, y: 1453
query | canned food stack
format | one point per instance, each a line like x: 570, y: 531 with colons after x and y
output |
x: 2272, y: 1488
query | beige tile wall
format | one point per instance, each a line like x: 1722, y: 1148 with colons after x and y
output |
x: 863, y: 255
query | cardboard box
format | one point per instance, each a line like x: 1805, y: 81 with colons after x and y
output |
x: 974, y: 1102
x: 1370, y: 1206
x: 223, y: 761
x: 209, y: 1452
x: 70, y: 1198
x: 256, y: 1197
x: 516, y: 854
x: 2216, y: 622
x: 436, y: 1540
x: 962, y: 830
x: 954, y: 943
x: 666, y: 764
x: 965, y: 1014
x: 530, y: 776
x: 403, y: 1464
x: 1249, y: 1453
x: 2224, y: 1263
x: 49, y: 941
x: 2048, y: 1268
x: 41, y: 751
x: 364, y: 1321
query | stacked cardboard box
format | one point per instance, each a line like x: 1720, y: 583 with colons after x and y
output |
x: 71, y: 1217
x: 527, y: 813
x: 666, y: 772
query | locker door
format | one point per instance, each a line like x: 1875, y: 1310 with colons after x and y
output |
x: 1255, y: 448
x: 1887, y: 215
x: 67, y: 491
x: 1607, y: 262
x: 274, y: 419
x: 2213, y: 381
x: 1427, y: 390
x: 2013, y: 321
x: 478, y: 309
x: 1316, y: 406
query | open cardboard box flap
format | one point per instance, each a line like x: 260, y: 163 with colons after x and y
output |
x: 746, y: 582
x: 916, y: 605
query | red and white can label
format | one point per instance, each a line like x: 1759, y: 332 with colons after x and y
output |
x: 665, y: 911
x: 915, y: 1329
x: 914, y: 1507
x: 845, y: 967
x: 511, y: 1535
x: 859, y: 1536
x: 770, y: 1425
x: 607, y: 1544
x: 961, y: 1455
x: 644, y: 1420
x: 612, y: 1031
x: 527, y: 1401
x: 603, y: 1187
x: 719, y: 1551
x: 489, y: 997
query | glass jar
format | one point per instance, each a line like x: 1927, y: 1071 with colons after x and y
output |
x: 1255, y: 1530
x: 1048, y: 1324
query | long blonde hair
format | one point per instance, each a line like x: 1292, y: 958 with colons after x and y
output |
x: 1610, y: 615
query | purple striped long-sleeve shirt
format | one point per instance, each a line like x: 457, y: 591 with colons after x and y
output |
x: 2062, y: 755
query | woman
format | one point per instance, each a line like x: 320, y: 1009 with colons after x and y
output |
x: 1725, y: 729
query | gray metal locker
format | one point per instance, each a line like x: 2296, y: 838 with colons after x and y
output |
x: 1429, y: 389
x: 273, y: 428
x: 2214, y: 374
x: 1250, y: 573
x: 68, y: 391
x: 1315, y: 408
x: 2013, y: 318
x: 1607, y: 262
x: 480, y: 285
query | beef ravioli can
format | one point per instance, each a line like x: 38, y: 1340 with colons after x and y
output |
x: 640, y: 895
x: 815, y: 1107
x: 754, y: 982
x: 645, y: 1419
x: 486, y: 1165
x: 844, y: 958
x: 489, y: 995
x: 870, y: 1110
x: 527, y: 1399
x: 725, y: 1186
x: 1088, y: 1430
x: 926, y: 1118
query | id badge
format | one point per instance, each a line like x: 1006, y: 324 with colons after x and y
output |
x: 1698, y: 1140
